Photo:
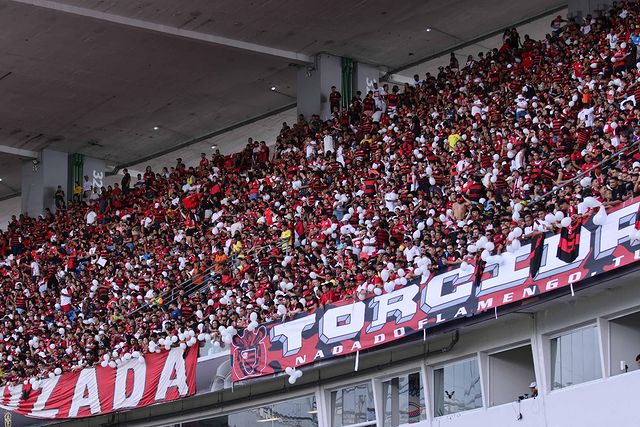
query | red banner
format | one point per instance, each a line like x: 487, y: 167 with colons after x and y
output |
x: 151, y: 378
x: 543, y: 264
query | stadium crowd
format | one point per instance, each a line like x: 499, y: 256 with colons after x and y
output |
x: 399, y: 182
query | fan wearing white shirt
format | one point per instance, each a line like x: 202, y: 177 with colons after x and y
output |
x: 532, y: 227
x: 35, y: 269
x: 65, y: 299
x: 390, y: 198
x: 87, y: 185
x: 612, y: 38
x: 328, y: 144
x: 476, y: 108
x: 379, y: 94
x: 521, y: 106
x: 310, y: 151
x: 91, y: 217
x: 369, y: 243
x: 340, y: 155
x: 411, y: 251
x: 587, y: 116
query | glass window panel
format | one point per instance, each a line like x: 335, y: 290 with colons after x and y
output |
x: 352, y: 405
x: 623, y: 343
x: 403, y: 400
x: 387, y: 397
x: 300, y: 412
x: 575, y: 358
x: 457, y: 388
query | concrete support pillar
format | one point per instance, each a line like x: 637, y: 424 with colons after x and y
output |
x: 314, y: 85
x: 41, y: 177
x: 40, y: 180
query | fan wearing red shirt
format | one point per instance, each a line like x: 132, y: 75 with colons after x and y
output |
x: 328, y: 295
x: 263, y: 154
x: 204, y: 162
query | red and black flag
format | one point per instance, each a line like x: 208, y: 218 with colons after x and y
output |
x: 569, y: 245
x: 472, y: 302
x: 537, y: 249
x: 477, y: 274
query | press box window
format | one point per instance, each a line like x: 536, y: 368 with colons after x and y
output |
x: 403, y: 400
x: 624, y: 338
x: 510, y: 374
x: 353, y: 405
x: 575, y: 358
x: 457, y: 388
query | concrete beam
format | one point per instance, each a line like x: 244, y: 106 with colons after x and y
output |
x: 173, y: 31
x: 19, y: 152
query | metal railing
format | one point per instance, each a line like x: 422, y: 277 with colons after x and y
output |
x: 192, y: 286
x: 614, y: 157
x: 189, y: 286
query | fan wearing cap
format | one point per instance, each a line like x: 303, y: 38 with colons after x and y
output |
x: 533, y: 389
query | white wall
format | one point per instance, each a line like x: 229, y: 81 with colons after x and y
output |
x: 7, y: 208
x: 55, y: 167
x: 330, y: 69
x: 611, y: 402
x: 314, y: 86
x: 308, y: 92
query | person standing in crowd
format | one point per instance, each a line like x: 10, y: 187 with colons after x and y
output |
x: 125, y: 182
x: 87, y: 187
x: 59, y: 198
x: 335, y: 98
